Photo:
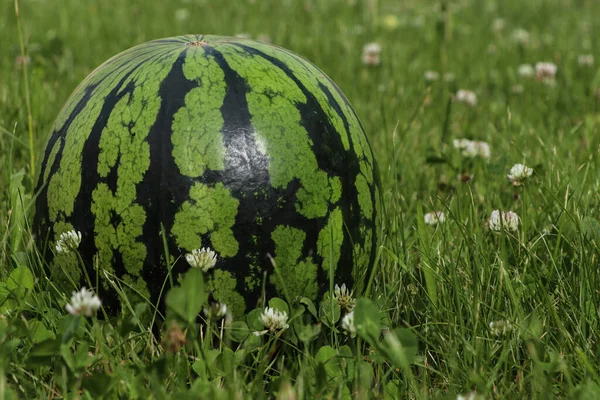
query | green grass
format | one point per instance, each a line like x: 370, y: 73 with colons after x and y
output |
x: 423, y: 328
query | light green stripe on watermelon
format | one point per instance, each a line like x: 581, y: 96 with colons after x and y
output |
x: 364, y: 196
x: 197, y: 138
x: 311, y: 197
x: 310, y: 79
x: 331, y: 237
x: 367, y: 172
x: 300, y: 275
x: 359, y: 140
x: 361, y: 147
x: 123, y: 145
x: 252, y: 280
x: 222, y: 285
x: 336, y: 188
x: 51, y: 158
x: 272, y: 101
x: 311, y: 76
x: 65, y: 184
x: 208, y: 210
x: 123, y: 62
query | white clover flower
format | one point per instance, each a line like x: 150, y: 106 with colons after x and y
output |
x: 274, y: 320
x: 545, y: 71
x: 526, y: 70
x: 182, y: 14
x: 84, y: 302
x: 520, y: 36
x: 371, y: 54
x: 463, y: 145
x: 215, y: 310
x: 431, y: 76
x: 466, y: 96
x: 344, y: 298
x: 501, y: 327
x: 585, y: 60
x: 483, y: 149
x: 505, y: 219
x: 519, y: 173
x: 434, y: 218
x: 472, y: 148
x: 68, y: 241
x: 498, y: 25
x: 468, y: 396
x: 348, y: 323
x: 204, y: 258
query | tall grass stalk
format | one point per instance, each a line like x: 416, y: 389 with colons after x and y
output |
x: 27, y: 92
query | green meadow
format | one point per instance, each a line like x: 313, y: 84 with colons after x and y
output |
x: 461, y: 303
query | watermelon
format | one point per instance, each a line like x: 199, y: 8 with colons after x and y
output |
x: 228, y: 144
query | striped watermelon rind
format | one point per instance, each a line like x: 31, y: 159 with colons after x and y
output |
x: 232, y: 144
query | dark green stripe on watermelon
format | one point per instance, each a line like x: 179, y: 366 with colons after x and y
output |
x: 230, y: 144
